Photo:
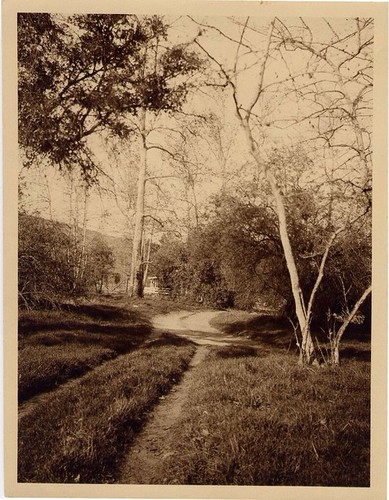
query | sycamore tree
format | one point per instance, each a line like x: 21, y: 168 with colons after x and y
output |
x: 163, y: 82
x: 303, y: 81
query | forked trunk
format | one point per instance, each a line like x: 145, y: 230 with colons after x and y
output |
x: 307, y: 352
x: 335, y: 353
x: 339, y: 334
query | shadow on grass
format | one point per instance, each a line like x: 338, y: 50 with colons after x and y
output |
x: 257, y: 323
x: 235, y: 351
x: 108, y: 326
x: 355, y: 353
x: 104, y: 312
x: 79, y: 316
x: 275, y: 333
x: 120, y: 340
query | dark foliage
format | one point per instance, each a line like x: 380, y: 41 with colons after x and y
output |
x: 83, y: 73
x: 54, y: 265
x: 236, y: 260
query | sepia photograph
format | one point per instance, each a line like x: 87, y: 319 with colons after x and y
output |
x: 194, y: 238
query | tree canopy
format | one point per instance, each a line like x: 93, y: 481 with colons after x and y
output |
x: 85, y: 73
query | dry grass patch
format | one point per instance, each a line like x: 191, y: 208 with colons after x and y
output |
x: 266, y: 421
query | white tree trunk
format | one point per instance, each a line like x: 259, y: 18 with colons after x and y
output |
x: 339, y: 334
x: 136, y: 274
x: 307, y: 347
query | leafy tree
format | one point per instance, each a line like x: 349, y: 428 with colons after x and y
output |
x: 170, y: 263
x: 71, y: 76
x: 82, y: 74
x: 163, y: 82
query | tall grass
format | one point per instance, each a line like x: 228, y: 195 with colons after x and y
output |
x: 81, y: 432
x: 266, y: 421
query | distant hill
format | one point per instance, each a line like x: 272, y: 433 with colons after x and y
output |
x: 121, y: 249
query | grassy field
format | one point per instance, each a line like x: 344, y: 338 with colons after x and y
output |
x: 58, y: 345
x: 253, y: 416
x: 262, y: 420
x: 118, y: 368
x: 55, y: 346
x: 78, y: 435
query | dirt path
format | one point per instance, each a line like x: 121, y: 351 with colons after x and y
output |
x: 145, y: 460
x: 195, y: 326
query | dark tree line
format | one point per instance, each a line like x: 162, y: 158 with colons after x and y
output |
x: 236, y: 260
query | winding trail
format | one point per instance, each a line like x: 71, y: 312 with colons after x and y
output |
x: 145, y: 459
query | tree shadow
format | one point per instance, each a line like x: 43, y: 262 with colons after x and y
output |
x: 236, y: 351
x: 355, y: 353
x: 108, y: 326
x: 168, y: 339
x: 257, y: 324
x: 274, y: 331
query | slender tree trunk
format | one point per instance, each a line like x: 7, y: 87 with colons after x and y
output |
x: 335, y: 352
x: 148, y: 253
x: 136, y: 274
x: 307, y: 347
x: 83, y: 256
x: 339, y: 334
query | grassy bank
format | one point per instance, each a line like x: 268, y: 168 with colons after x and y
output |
x: 42, y: 368
x: 55, y: 346
x: 79, y: 434
x: 272, y: 332
x: 58, y: 345
x: 265, y: 421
